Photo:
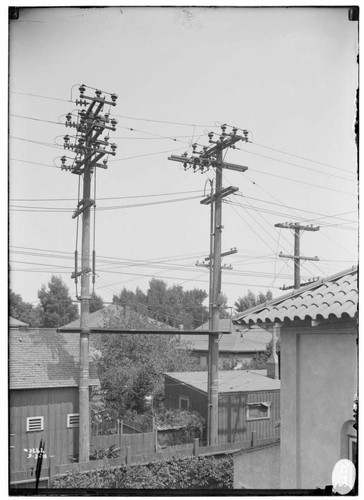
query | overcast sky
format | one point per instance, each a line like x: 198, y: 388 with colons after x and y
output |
x: 288, y: 75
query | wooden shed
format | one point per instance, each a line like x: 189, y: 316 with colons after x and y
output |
x: 43, y: 397
x: 248, y: 401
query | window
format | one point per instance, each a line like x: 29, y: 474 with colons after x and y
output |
x: 35, y: 424
x: 353, y: 448
x: 72, y: 420
x: 257, y: 411
x: 184, y: 403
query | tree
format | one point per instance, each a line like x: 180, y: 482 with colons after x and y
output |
x: 96, y: 303
x: 56, y: 304
x: 172, y: 305
x: 24, y: 311
x: 132, y: 366
x: 251, y: 300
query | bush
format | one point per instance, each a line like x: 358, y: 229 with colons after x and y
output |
x: 178, y: 473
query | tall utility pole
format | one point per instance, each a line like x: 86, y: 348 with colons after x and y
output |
x: 297, y: 256
x: 202, y: 161
x: 89, y: 149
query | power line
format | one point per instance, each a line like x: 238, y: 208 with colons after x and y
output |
x: 302, y: 157
x: 110, y: 198
x: 271, y: 212
x: 297, y: 156
x: 61, y: 210
x: 337, y: 216
x: 34, y: 163
x: 296, y: 165
x: 118, y: 116
x: 189, y: 125
x: 302, y: 182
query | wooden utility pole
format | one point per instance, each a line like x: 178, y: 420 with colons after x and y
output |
x: 212, y: 157
x: 84, y: 423
x: 89, y: 149
x: 216, y: 292
x: 297, y: 252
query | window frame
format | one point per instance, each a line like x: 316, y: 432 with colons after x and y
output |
x: 28, y: 422
x: 260, y: 403
x: 352, y: 440
x: 184, y: 398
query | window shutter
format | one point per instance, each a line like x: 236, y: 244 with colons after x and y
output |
x: 73, y: 420
x: 35, y: 424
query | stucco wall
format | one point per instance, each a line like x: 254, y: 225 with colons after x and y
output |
x: 258, y: 468
x: 319, y: 380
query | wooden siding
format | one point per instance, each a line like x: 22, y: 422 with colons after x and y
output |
x: 233, y: 424
x: 53, y: 405
x: 174, y: 389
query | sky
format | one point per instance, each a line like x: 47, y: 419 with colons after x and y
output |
x: 287, y: 75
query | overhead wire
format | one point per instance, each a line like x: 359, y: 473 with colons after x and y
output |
x: 294, y: 155
x: 117, y: 207
x: 296, y: 165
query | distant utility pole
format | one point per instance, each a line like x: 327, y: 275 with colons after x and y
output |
x: 297, y: 257
x: 211, y: 156
x: 89, y: 149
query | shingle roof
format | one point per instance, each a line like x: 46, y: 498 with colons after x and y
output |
x: 230, y: 380
x: 43, y: 358
x: 123, y: 315
x: 241, y: 340
x: 15, y: 323
x: 335, y: 297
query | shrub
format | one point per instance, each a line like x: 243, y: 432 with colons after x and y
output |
x: 178, y: 473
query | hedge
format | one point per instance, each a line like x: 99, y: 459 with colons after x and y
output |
x: 176, y: 473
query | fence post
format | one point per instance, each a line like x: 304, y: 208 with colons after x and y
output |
x: 51, y: 470
x: 254, y: 439
x: 154, y: 424
x: 128, y: 455
x: 196, y: 447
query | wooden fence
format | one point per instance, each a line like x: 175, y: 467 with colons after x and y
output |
x: 133, y: 453
x: 139, y: 443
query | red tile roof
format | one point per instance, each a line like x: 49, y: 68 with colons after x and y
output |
x: 335, y: 297
x: 43, y: 358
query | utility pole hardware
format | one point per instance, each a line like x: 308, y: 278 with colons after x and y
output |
x: 211, y: 156
x: 89, y: 151
x: 297, y: 257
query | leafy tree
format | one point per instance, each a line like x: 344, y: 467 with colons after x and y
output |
x: 132, y: 366
x: 172, y: 305
x: 24, y: 311
x: 56, y: 304
x: 96, y: 303
x: 251, y: 300
x: 259, y: 361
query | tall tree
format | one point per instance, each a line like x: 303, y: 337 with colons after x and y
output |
x: 25, y: 311
x: 135, y: 300
x: 171, y: 305
x: 96, y: 303
x: 251, y: 300
x: 56, y: 303
x: 132, y: 366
